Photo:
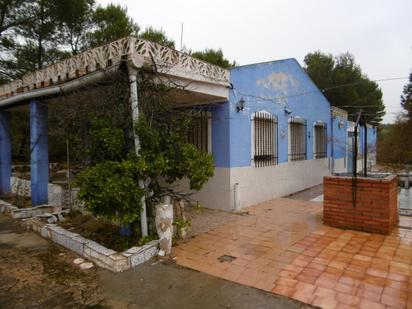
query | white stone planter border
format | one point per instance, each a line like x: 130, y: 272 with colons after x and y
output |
x: 89, y: 249
x: 25, y: 213
x: 102, y: 256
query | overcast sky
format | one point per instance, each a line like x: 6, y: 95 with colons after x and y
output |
x: 378, y: 33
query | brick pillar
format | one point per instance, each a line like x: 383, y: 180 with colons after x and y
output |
x: 5, y: 152
x: 39, y: 152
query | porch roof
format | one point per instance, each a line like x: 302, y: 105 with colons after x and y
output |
x: 200, y: 76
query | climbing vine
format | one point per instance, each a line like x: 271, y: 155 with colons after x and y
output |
x: 111, y: 187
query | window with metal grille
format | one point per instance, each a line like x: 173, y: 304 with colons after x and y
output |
x: 297, y: 139
x: 265, y: 133
x: 200, y: 131
x: 320, y: 142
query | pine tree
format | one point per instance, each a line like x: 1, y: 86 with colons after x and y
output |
x: 345, y: 85
x: 406, y: 98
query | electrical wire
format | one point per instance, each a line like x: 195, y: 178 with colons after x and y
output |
x: 275, y: 99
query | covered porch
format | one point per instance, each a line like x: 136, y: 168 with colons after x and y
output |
x: 191, y: 82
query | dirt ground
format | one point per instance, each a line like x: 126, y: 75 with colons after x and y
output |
x: 35, y: 273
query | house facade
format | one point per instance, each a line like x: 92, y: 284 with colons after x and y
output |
x: 276, y: 135
x: 269, y: 128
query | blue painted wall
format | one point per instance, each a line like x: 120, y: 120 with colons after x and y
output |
x: 220, y: 134
x: 339, y: 137
x: 372, y: 139
x: 39, y: 152
x: 271, y: 87
x: 5, y: 152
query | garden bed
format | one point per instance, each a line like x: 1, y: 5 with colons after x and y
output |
x: 100, y: 230
x: 116, y: 261
x: 89, y: 249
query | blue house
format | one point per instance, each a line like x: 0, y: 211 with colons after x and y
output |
x: 269, y: 128
x: 276, y: 135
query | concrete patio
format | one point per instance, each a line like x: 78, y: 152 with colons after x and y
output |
x: 282, y: 246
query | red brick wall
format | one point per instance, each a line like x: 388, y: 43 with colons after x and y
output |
x: 375, y: 209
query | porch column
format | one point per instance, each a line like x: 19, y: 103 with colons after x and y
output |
x: 39, y: 152
x: 134, y: 100
x: 5, y: 152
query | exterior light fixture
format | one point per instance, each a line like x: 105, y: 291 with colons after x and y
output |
x: 340, y: 124
x: 288, y: 110
x: 240, y: 105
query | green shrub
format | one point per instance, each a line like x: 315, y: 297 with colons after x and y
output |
x: 111, y: 189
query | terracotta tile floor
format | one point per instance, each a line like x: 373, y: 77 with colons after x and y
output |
x: 261, y: 242
x: 282, y: 246
x: 344, y: 268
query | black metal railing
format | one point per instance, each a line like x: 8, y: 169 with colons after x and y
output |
x: 265, y: 139
x: 320, y: 141
x: 297, y: 148
x: 198, y: 134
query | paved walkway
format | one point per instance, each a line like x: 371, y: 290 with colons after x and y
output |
x: 259, y: 243
x: 349, y: 269
x: 36, y: 273
x: 282, y: 246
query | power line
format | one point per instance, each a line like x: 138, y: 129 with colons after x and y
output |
x: 274, y: 99
x: 356, y: 83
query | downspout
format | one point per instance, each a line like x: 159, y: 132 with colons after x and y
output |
x: 236, y: 191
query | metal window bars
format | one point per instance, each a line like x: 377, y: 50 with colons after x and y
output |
x: 320, y: 141
x: 297, y: 148
x: 265, y: 139
x: 198, y: 134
